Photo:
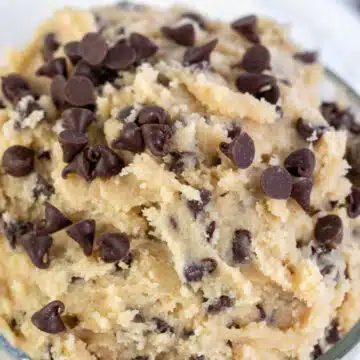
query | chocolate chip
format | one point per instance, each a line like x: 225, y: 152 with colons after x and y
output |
x: 124, y: 112
x: 220, y: 304
x: 52, y: 68
x: 188, y: 332
x: 256, y: 59
x: 173, y: 223
x: 241, y: 247
x: 316, y: 353
x: 182, y: 35
x: 262, y: 312
x: 141, y: 358
x: 93, y: 48
x: 276, y: 182
x: 162, y: 326
x: 333, y: 334
x: 195, y: 206
x: 57, y: 90
x: 83, y: 232
x: 300, y: 163
x: 72, y: 143
x: 246, y: 26
x: 157, y: 138
x: 50, y: 45
x: 14, y: 87
x: 14, y: 230
x: 301, y: 192
x: 329, y: 230
x: 48, y: 318
x: 307, y: 57
x: 72, y: 51
x: 210, y: 229
x: 209, y: 265
x: 42, y: 187
x: 241, y: 150
x: 78, y: 119
x: 194, y: 271
x: 18, y: 161
x: 143, y: 46
x: 152, y: 114
x: 120, y: 57
x: 54, y: 221
x: 130, y: 139
x: 309, y: 132
x: 44, y: 155
x: 259, y: 85
x: 37, y: 247
x: 353, y: 203
x: 199, y: 54
x: 339, y: 119
x: 195, y: 17
x: 163, y: 80
x: 79, y: 91
x: 181, y: 160
x: 139, y: 318
x: 113, y: 246
x: 82, y: 68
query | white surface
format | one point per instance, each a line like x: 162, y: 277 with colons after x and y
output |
x: 324, y: 25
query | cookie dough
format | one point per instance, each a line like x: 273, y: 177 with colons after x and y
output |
x: 174, y: 187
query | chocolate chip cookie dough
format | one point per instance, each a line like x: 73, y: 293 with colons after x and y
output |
x: 173, y: 187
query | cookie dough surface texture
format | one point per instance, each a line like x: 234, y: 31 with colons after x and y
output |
x: 172, y: 188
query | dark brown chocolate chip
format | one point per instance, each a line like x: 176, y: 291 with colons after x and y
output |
x: 113, y: 246
x: 42, y: 187
x: 120, y: 57
x: 57, y: 90
x: 256, y: 59
x: 182, y: 35
x: 48, y: 318
x: 143, y: 46
x: 276, y: 182
x: 78, y: 119
x: 14, y: 87
x: 195, y: 17
x: 93, y: 48
x: 332, y: 333
x: 329, y: 230
x: 241, y: 247
x: 54, y: 221
x: 300, y: 163
x: 162, y: 326
x: 353, y: 203
x: 157, y: 138
x: 38, y: 248
x: 199, y: 54
x: 210, y: 229
x: 187, y: 333
x: 139, y: 318
x: 197, y: 357
x: 309, y: 132
x: 53, y: 67
x: 83, y: 232
x: 93, y: 161
x: 339, y: 119
x: 18, y: 161
x: 241, y: 150
x: 141, y: 358
x: 220, y: 304
x: 72, y: 143
x: 301, y: 192
x: 259, y: 85
x: 262, y: 312
x: 152, y: 114
x: 72, y: 51
x: 82, y: 68
x: 195, y: 206
x: 50, y: 45
x: 14, y: 230
x: 173, y: 223
x: 307, y: 57
x: 316, y: 353
x: 209, y: 265
x: 44, y: 155
x: 181, y: 160
x: 130, y: 139
x: 79, y: 91
x: 124, y: 112
x: 246, y: 26
x: 163, y: 80
x: 194, y: 271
